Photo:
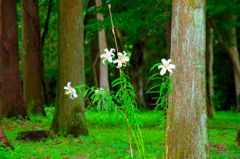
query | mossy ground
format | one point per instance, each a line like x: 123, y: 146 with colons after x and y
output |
x: 106, y: 140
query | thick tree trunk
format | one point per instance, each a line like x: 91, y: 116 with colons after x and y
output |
x: 69, y: 115
x: 210, y: 73
x: 12, y: 99
x: 102, y: 45
x: 0, y: 52
x: 32, y: 71
x: 187, y: 134
x: 136, y: 70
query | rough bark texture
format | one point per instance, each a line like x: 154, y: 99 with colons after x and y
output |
x: 69, y: 115
x: 231, y: 49
x: 136, y: 70
x: 12, y: 99
x: 187, y: 134
x: 0, y: 52
x: 210, y: 72
x: 102, y: 45
x: 32, y: 75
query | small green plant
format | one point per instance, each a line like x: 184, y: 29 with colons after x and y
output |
x: 163, y: 90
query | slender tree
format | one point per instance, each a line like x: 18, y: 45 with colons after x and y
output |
x: 187, y: 133
x: 231, y: 49
x: 12, y: 100
x: 102, y: 45
x: 69, y: 114
x: 43, y: 37
x: 32, y: 83
x: 210, y: 72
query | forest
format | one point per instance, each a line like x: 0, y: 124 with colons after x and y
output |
x: 142, y: 79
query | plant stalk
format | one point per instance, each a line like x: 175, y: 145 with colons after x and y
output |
x: 115, y: 39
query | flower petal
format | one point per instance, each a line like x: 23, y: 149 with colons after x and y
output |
x: 110, y: 60
x: 169, y: 60
x: 75, y: 95
x: 160, y: 66
x: 69, y: 84
x: 164, y: 61
x: 112, y: 50
x: 163, y: 71
x: 119, y: 54
x: 169, y: 70
x: 171, y: 66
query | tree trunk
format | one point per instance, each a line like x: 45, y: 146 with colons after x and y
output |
x: 95, y: 65
x: 210, y: 73
x: 69, y: 115
x: 3, y: 138
x: 12, y: 99
x: 44, y: 81
x: 136, y: 70
x: 187, y: 134
x: 102, y: 45
x: 233, y: 45
x: 32, y: 83
x: 230, y: 49
x: 0, y: 52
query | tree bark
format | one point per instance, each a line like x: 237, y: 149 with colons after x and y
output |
x: 187, y: 134
x: 0, y: 52
x: 12, y: 99
x: 32, y: 71
x: 102, y: 45
x: 69, y: 115
x: 210, y: 73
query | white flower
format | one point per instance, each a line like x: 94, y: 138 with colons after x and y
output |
x: 101, y: 91
x: 107, y: 55
x: 166, y: 66
x: 121, y: 59
x: 70, y: 90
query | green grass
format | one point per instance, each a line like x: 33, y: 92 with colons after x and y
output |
x: 108, y: 140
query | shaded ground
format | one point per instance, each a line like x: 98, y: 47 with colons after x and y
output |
x: 109, y: 141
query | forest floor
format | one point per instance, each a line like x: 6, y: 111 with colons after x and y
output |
x: 105, y: 140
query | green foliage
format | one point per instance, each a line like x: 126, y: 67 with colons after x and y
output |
x: 121, y: 101
x: 162, y: 90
